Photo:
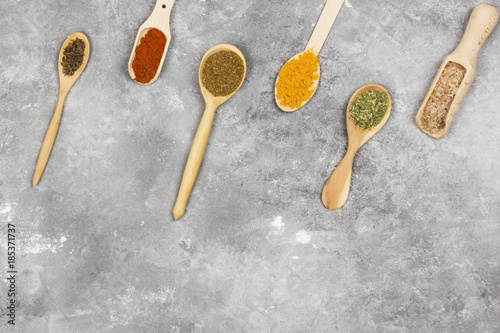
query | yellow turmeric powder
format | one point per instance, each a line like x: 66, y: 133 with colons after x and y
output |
x: 296, y: 78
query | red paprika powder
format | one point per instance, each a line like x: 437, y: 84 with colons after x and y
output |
x: 148, y: 55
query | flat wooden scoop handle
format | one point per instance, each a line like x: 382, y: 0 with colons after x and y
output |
x: 324, y: 25
x: 194, y: 161
x: 49, y: 139
x: 337, y: 187
x: 482, y: 21
x: 160, y: 16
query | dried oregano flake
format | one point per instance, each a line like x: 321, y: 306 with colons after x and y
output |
x: 369, y: 108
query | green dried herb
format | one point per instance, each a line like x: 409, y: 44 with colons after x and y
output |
x: 369, y: 108
x: 222, y: 73
x: 73, y: 56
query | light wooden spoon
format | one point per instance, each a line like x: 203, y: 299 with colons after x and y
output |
x: 316, y: 42
x: 159, y: 19
x: 65, y: 84
x: 201, y: 138
x: 337, y: 187
x: 482, y: 21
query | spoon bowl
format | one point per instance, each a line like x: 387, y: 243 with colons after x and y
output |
x: 316, y: 42
x: 357, y: 134
x: 160, y: 20
x: 313, y: 87
x: 210, y: 99
x: 65, y: 84
x: 337, y: 187
x: 201, y: 138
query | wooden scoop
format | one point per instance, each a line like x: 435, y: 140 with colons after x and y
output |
x: 159, y: 19
x: 337, y: 187
x: 65, y: 84
x: 482, y: 21
x: 316, y: 42
x: 201, y: 138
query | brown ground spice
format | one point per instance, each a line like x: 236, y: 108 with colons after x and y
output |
x: 222, y: 73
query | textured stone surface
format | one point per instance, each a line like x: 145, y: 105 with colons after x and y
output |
x: 416, y: 248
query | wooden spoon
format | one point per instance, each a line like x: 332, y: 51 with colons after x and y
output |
x: 65, y: 84
x: 159, y: 19
x: 201, y: 138
x: 337, y: 187
x: 481, y: 23
x: 316, y: 42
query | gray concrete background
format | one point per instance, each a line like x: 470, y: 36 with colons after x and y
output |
x: 415, y: 249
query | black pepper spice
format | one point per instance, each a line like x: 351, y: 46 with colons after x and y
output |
x: 222, y: 73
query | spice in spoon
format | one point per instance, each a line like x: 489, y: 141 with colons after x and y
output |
x: 369, y: 108
x: 73, y: 56
x: 437, y: 107
x: 148, y: 55
x: 222, y: 73
x: 296, y: 80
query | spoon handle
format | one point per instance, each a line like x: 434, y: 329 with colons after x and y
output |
x: 338, y: 185
x: 482, y: 21
x: 160, y: 16
x: 50, y: 136
x: 324, y: 25
x: 194, y: 161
